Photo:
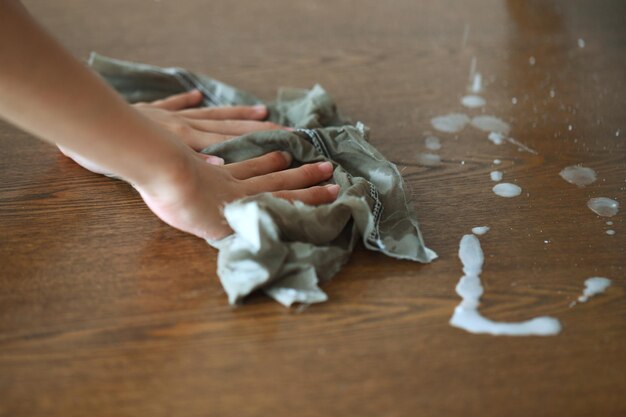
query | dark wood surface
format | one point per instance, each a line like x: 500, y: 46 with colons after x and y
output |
x: 105, y: 311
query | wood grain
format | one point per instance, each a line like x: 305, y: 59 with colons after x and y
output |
x: 105, y: 311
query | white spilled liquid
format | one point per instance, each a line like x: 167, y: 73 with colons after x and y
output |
x: 491, y: 124
x: 593, y: 286
x: 496, y: 138
x: 473, y: 101
x: 480, y: 230
x: 432, y: 143
x: 450, y: 123
x: 428, y: 159
x: 496, y: 176
x: 578, y: 175
x: 506, y: 189
x: 466, y: 315
x: 602, y: 206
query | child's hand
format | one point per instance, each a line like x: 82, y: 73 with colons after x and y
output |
x: 193, y: 199
x: 201, y: 127
x: 196, y: 127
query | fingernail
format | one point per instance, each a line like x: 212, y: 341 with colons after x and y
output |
x: 333, y: 189
x: 326, y: 167
x: 215, y: 160
x: 287, y: 156
x: 259, y: 108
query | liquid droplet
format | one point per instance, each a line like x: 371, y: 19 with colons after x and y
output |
x: 473, y: 101
x: 578, y: 175
x: 428, y: 159
x: 491, y: 124
x: 432, y: 143
x: 506, y: 189
x: 602, y: 206
x: 496, y: 176
x: 450, y: 123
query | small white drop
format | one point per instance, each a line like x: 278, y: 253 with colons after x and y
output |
x: 428, y: 159
x: 473, y: 101
x: 491, y: 124
x: 578, y: 175
x: 432, y: 143
x: 497, y: 162
x: 496, y: 138
x: 480, y: 230
x: 514, y: 100
x: 496, y: 176
x: 450, y: 123
x: 581, y: 43
x: 507, y: 190
x: 610, y: 232
x: 532, y: 60
x: 602, y: 206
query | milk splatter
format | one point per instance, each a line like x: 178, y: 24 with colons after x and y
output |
x: 578, y: 175
x: 581, y: 43
x: 507, y: 189
x: 602, y: 206
x: 610, y: 232
x: 466, y: 315
x: 532, y: 61
x: 450, y: 123
x: 428, y: 159
x: 480, y: 230
x: 593, y: 286
x: 473, y: 101
x: 491, y: 124
x: 522, y: 147
x: 496, y: 176
x: 432, y: 143
x: 496, y: 138
x: 497, y: 162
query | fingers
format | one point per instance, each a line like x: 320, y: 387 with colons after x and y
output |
x: 312, y: 196
x: 271, y: 162
x: 291, y: 179
x: 232, y: 127
x: 179, y: 101
x: 227, y: 113
x: 197, y: 140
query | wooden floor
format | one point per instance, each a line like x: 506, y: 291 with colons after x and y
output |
x: 105, y: 311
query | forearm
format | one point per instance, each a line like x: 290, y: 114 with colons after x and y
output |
x: 49, y: 93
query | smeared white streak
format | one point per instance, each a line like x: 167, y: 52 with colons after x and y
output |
x: 428, y: 159
x: 578, y: 175
x: 603, y: 206
x: 432, y: 143
x: 593, y: 286
x: 480, y: 230
x: 522, y: 147
x: 506, y: 189
x: 496, y: 175
x: 477, y: 83
x: 491, y: 124
x: 450, y: 123
x: 473, y: 101
x: 466, y: 315
x: 496, y: 138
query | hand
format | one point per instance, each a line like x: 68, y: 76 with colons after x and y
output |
x: 196, y: 127
x: 193, y: 201
x: 201, y: 127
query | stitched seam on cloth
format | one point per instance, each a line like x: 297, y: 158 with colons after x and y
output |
x: 317, y: 142
x: 377, y: 211
x: 190, y: 82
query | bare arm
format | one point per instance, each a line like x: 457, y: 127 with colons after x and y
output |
x: 49, y: 93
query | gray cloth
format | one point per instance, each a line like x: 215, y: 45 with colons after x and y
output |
x: 288, y: 249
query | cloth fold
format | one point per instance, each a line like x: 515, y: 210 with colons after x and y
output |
x: 288, y: 249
